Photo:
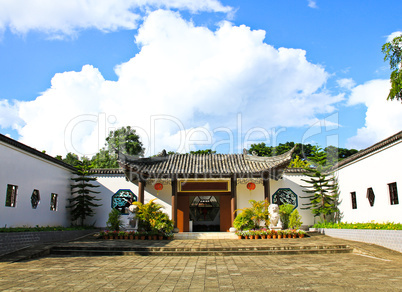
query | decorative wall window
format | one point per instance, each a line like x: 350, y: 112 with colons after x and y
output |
x: 282, y: 196
x: 122, y: 199
x: 393, y: 193
x: 370, y: 196
x: 35, y: 199
x: 353, y: 197
x: 53, y: 202
x: 11, y: 196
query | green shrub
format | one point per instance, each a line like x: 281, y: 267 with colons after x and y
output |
x: 284, y: 211
x: 370, y: 225
x: 114, y: 222
x: 243, y: 221
x: 295, y: 220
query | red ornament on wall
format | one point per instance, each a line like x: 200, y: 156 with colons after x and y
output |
x: 158, y: 187
x: 251, y: 186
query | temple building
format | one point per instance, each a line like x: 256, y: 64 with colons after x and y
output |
x: 199, y: 192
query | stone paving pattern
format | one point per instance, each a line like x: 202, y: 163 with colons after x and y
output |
x: 369, y: 268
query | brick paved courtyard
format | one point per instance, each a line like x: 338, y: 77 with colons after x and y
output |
x: 377, y: 269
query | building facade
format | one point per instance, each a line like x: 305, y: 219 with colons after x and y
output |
x: 370, y: 182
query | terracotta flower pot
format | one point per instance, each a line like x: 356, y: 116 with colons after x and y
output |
x: 289, y: 235
x: 294, y: 236
x: 269, y: 236
x: 274, y: 236
x: 301, y: 235
x: 131, y: 237
x: 239, y: 236
x: 263, y: 236
x: 142, y: 237
x: 279, y: 236
x: 160, y: 237
x: 126, y: 237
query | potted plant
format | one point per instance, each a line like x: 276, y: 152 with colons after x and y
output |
x: 239, y: 234
x: 279, y: 233
x: 121, y: 234
x: 131, y: 235
x: 274, y: 234
x: 263, y: 233
x: 269, y: 234
x: 301, y: 233
x: 104, y: 234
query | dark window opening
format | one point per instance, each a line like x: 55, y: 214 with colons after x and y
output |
x: 393, y: 193
x: 370, y: 196
x: 11, y: 196
x: 53, y: 202
x: 35, y: 199
x: 354, y: 203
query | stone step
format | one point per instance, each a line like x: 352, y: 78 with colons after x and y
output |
x: 205, y: 235
x: 164, y: 251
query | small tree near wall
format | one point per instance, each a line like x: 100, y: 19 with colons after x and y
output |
x: 82, y: 203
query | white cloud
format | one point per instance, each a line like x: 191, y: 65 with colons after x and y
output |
x: 393, y: 35
x: 183, y: 77
x: 9, y: 117
x: 60, y: 17
x: 346, y: 83
x: 312, y: 4
x: 383, y: 118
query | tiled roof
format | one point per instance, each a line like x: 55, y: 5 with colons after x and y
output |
x: 206, y: 164
x: 369, y: 150
x: 35, y: 152
x: 106, y: 171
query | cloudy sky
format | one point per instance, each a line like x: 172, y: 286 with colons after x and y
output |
x: 190, y: 74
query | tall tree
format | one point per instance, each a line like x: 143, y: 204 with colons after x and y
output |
x: 82, y: 202
x: 393, y: 54
x: 126, y: 141
x: 323, y: 194
x: 206, y: 151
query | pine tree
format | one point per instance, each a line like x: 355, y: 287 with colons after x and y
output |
x: 82, y: 203
x: 323, y: 194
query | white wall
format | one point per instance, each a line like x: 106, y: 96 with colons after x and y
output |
x: 295, y: 183
x: 30, y: 172
x: 375, y: 171
x: 111, y: 183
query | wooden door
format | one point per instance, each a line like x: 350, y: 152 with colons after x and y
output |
x: 225, y: 213
x: 183, y: 213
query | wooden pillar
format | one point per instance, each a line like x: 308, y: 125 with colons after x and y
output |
x: 174, y: 201
x: 233, y: 203
x: 141, y: 190
x: 267, y: 191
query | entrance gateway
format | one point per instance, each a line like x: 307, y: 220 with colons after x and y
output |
x: 204, y: 187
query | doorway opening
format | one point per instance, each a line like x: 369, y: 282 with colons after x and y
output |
x: 205, y: 213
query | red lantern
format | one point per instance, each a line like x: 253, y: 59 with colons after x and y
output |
x: 251, y: 186
x: 158, y: 187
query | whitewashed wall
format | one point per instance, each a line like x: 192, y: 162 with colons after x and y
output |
x: 30, y: 172
x: 295, y: 183
x: 111, y: 183
x: 376, y: 170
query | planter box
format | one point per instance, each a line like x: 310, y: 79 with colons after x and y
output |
x: 391, y: 239
x: 12, y: 241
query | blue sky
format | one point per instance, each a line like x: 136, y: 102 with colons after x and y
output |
x: 196, y: 74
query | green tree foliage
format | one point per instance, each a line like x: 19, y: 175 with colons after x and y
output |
x: 322, y: 193
x: 126, y: 141
x: 393, y: 54
x: 304, y: 154
x: 72, y: 159
x: 104, y: 159
x: 298, y: 163
x: 206, y: 151
x: 284, y: 211
x: 295, y: 220
x: 82, y: 202
x: 243, y: 220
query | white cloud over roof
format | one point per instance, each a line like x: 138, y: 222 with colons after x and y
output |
x: 183, y: 77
